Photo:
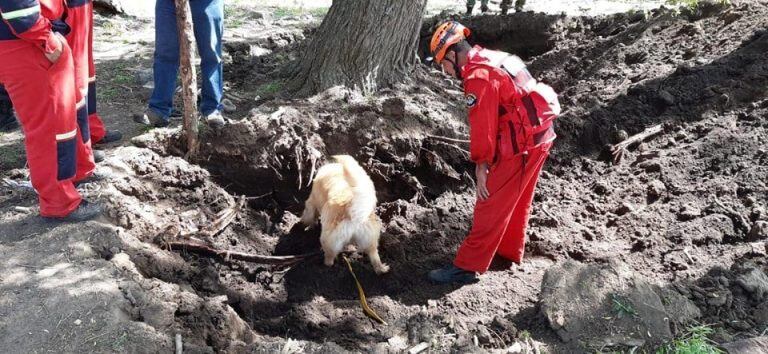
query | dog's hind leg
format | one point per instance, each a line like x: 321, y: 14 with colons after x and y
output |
x: 378, y: 266
x: 331, y: 246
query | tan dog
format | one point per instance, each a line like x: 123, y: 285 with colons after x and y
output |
x: 344, y: 199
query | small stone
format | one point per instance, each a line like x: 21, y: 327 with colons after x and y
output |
x: 619, y: 136
x: 78, y: 322
x: 432, y: 303
x: 750, y: 201
x: 717, y: 299
x: 624, y: 208
x: 759, y: 230
x: 656, y: 189
x: 666, y: 98
x: 397, y: 343
x: 740, y: 325
x: 515, y: 348
x: 600, y: 188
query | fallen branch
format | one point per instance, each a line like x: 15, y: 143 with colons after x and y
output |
x: 223, y: 219
x: 200, y: 248
x: 447, y: 139
x: 619, y: 149
x: 739, y: 221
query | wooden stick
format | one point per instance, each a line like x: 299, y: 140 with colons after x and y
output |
x: 188, y: 76
x: 200, y: 248
x: 447, y: 139
x: 618, y: 150
x: 179, y: 348
x: 223, y: 219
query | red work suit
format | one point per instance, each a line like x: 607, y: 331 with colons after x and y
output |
x: 80, y: 20
x: 500, y: 221
x: 44, y: 96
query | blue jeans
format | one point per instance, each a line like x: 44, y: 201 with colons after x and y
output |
x: 208, y: 24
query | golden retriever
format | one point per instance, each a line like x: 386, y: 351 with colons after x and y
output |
x: 344, y: 199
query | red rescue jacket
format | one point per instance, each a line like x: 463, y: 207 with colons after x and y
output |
x: 30, y: 20
x: 500, y: 124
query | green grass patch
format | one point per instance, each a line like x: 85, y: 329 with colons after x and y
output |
x: 694, y: 341
x: 270, y: 88
x: 622, y: 307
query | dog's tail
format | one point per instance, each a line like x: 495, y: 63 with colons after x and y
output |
x: 364, y: 194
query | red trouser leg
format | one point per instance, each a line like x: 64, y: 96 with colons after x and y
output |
x: 97, y: 125
x: 507, y: 182
x: 78, y: 19
x: 43, y: 95
x: 512, y: 244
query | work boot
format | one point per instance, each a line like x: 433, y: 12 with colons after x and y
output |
x: 86, y: 211
x: 151, y: 118
x: 110, y: 136
x: 452, y: 274
x: 8, y: 121
x: 98, y: 156
x: 469, y: 10
x: 484, y: 8
x: 215, y: 120
x: 96, y: 176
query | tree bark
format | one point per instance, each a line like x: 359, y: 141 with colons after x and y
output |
x: 188, y: 76
x: 363, y: 44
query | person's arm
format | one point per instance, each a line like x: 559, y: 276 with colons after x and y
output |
x: 483, y: 105
x: 25, y: 21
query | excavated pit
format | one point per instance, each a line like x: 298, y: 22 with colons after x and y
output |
x: 652, y: 209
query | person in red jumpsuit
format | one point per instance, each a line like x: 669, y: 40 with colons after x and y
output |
x: 36, y: 68
x: 506, y: 170
x: 79, y: 19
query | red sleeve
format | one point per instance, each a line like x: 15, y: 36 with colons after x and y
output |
x: 25, y: 21
x: 483, y: 104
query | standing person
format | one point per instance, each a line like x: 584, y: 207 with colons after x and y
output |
x: 510, y: 119
x: 79, y: 22
x: 471, y: 6
x: 8, y: 120
x: 208, y: 24
x: 36, y: 68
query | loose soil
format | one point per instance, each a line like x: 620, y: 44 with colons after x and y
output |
x: 685, y: 209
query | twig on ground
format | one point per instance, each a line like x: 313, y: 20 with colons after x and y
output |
x: 618, y: 150
x: 447, y: 139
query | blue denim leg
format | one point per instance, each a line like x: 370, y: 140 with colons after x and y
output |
x: 208, y: 23
x: 166, y: 66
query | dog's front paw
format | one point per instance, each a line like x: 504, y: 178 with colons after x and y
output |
x: 329, y: 262
x: 382, y: 269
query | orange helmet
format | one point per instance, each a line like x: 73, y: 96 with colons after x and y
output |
x: 446, y: 35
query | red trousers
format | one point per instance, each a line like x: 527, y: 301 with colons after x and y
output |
x: 44, y: 96
x: 80, y: 20
x: 499, y: 222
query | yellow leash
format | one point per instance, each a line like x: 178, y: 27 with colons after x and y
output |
x: 363, y: 303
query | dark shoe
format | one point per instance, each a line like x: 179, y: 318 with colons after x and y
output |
x: 96, y: 176
x: 98, y: 156
x: 452, y: 274
x: 150, y: 118
x: 484, y: 8
x: 504, y: 10
x: 111, y: 136
x: 469, y: 10
x: 86, y: 211
x: 8, y: 121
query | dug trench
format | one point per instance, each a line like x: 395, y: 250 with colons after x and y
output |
x: 680, y: 208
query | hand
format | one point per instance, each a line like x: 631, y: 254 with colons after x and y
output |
x: 54, y: 56
x: 481, y: 172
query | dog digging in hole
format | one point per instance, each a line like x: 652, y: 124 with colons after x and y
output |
x: 344, y: 199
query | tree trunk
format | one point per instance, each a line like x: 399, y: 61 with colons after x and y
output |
x: 188, y: 77
x: 363, y: 44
